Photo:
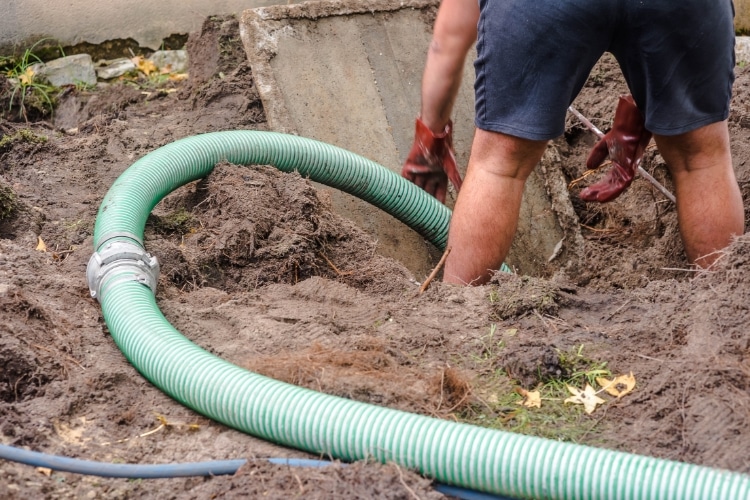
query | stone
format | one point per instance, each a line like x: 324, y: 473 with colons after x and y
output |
x: 173, y: 61
x: 742, y: 49
x: 70, y: 70
x: 115, y: 68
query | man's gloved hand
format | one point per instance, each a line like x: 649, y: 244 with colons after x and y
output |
x: 431, y: 161
x: 625, y: 145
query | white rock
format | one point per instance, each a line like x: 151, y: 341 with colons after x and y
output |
x: 742, y: 49
x: 115, y: 68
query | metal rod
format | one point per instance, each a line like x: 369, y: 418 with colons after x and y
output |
x: 641, y: 170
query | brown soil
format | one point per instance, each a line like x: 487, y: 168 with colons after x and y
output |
x: 256, y: 268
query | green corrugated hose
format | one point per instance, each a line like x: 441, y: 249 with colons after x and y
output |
x: 459, y: 454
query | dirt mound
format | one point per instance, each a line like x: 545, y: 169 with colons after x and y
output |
x: 246, y: 227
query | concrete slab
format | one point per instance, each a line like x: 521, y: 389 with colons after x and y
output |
x: 348, y: 74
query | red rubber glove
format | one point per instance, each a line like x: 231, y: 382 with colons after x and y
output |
x: 625, y: 145
x: 431, y: 161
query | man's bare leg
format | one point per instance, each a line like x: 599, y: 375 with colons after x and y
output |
x: 486, y: 214
x: 709, y: 204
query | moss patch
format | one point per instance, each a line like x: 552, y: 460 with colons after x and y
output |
x: 23, y: 135
x: 7, y: 201
x: 178, y: 222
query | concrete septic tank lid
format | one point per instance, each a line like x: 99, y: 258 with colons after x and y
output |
x: 349, y: 74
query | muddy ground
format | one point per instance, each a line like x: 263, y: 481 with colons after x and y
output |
x: 257, y: 269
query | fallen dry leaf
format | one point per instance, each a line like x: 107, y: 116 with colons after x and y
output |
x: 27, y: 78
x: 144, y: 65
x: 40, y: 246
x: 586, y: 397
x: 44, y: 470
x: 531, y: 399
x: 165, y: 423
x: 619, y: 386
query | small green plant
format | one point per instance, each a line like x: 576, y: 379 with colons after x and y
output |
x: 156, y: 80
x: 5, y: 62
x: 83, y: 86
x: 580, y: 369
x: 488, y: 343
x: 494, y: 342
x: 27, y: 90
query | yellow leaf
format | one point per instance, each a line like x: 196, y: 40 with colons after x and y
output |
x: 586, y: 397
x: 144, y: 65
x: 27, y: 78
x: 177, y: 77
x: 531, y: 399
x: 40, y: 246
x: 619, y: 386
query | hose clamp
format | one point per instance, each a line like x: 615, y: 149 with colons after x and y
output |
x: 121, y: 256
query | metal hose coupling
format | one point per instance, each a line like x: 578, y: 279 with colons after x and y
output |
x: 122, y: 259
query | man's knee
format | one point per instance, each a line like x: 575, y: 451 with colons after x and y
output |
x: 705, y: 147
x: 505, y: 155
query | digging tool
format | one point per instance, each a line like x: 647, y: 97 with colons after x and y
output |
x: 641, y: 170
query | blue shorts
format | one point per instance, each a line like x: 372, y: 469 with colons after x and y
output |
x: 533, y: 58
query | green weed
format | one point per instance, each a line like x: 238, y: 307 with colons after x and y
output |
x: 83, y: 86
x: 27, y: 91
x: 5, y: 63
x: 490, y: 344
x: 580, y: 369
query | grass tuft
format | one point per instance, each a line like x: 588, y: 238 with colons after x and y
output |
x: 27, y: 90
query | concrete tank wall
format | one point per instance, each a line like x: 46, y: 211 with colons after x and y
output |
x: 69, y: 22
